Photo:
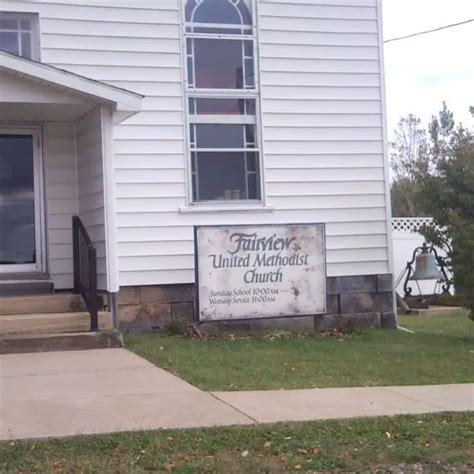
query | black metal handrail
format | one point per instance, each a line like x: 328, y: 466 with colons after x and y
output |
x: 85, y: 269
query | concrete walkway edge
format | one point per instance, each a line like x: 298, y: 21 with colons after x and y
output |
x: 60, y: 394
x: 341, y: 403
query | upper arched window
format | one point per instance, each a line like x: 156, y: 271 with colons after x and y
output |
x: 218, y: 16
x: 222, y: 91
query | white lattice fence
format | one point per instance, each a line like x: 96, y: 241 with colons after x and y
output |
x: 410, y: 224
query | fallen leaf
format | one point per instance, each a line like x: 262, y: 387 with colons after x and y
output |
x: 388, y: 435
x: 302, y: 451
x: 267, y: 444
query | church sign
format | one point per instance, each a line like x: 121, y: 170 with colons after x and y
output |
x: 260, y: 271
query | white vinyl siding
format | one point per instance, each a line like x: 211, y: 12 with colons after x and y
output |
x: 91, y: 186
x: 321, y: 115
x: 322, y: 124
x: 59, y: 157
x: 74, y: 185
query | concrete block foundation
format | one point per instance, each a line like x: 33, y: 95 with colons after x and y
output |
x: 352, y: 303
x: 155, y: 307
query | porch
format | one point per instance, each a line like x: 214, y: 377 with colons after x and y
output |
x: 56, y: 161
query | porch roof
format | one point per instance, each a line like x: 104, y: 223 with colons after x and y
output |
x: 40, y: 90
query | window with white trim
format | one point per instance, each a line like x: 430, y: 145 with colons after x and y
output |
x: 222, y: 100
x: 19, y: 34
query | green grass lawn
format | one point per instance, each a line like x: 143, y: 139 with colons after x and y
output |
x: 440, y: 352
x: 401, y: 444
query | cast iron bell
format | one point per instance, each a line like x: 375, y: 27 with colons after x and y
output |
x: 426, y: 267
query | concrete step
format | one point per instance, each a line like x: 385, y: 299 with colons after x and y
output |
x: 33, y: 276
x: 61, y: 342
x: 24, y: 287
x: 437, y: 311
x: 51, y: 323
x: 55, y: 303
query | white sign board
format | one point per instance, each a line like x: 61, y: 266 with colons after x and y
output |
x: 260, y: 271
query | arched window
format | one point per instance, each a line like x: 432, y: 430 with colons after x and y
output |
x: 222, y: 92
x: 224, y: 12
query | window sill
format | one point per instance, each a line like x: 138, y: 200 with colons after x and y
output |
x: 228, y: 208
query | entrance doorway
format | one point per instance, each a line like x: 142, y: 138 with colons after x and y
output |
x: 21, y: 198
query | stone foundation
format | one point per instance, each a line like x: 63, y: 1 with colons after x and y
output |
x: 352, y: 303
x: 358, y: 301
x: 155, y: 307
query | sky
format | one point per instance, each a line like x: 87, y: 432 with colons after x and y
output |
x: 423, y: 71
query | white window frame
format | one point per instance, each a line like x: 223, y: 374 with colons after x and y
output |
x: 200, y: 93
x: 246, y: 90
x: 33, y: 18
x: 199, y: 119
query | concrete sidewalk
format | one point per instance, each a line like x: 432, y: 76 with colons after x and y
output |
x: 337, y: 403
x: 57, y: 394
x: 111, y: 390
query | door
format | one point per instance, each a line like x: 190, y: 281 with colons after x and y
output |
x: 20, y: 202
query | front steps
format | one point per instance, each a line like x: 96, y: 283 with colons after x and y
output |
x: 53, y: 303
x: 61, y: 342
x: 25, y: 284
x: 25, y: 287
x: 51, y: 322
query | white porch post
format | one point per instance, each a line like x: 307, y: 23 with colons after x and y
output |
x: 109, y: 197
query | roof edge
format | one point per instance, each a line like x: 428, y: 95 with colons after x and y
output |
x: 123, y: 99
